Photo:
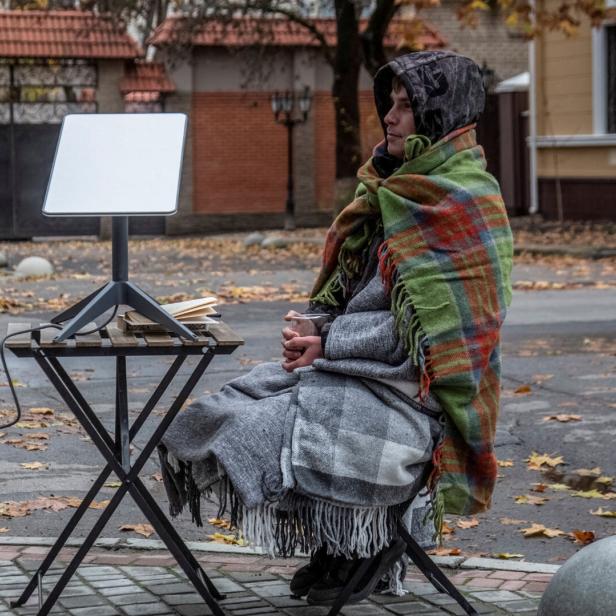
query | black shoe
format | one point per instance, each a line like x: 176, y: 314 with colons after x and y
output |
x: 327, y: 590
x: 308, y: 575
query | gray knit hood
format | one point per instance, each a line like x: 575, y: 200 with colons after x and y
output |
x: 445, y: 89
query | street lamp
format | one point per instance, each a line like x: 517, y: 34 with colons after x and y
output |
x: 283, y: 107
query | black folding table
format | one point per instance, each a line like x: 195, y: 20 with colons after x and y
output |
x: 112, y: 342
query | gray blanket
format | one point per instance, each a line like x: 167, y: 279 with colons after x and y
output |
x: 326, y: 455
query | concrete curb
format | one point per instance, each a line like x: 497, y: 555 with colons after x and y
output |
x: 148, y: 545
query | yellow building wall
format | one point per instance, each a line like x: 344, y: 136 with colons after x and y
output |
x: 564, y: 103
x: 564, y: 81
x: 586, y: 162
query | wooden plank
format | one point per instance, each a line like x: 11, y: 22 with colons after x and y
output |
x: 48, y: 335
x: 224, y: 335
x: 22, y: 340
x: 90, y: 340
x: 119, y: 338
x: 201, y: 341
x: 159, y: 340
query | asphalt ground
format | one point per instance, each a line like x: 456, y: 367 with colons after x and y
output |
x: 559, y: 352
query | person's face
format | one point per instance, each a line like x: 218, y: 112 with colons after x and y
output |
x: 399, y: 121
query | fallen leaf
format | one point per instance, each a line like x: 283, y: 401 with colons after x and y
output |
x: 445, y: 552
x: 113, y: 484
x: 468, y: 523
x: 529, y: 499
x: 31, y: 424
x: 559, y: 487
x: 542, y: 378
x: 41, y: 410
x: 523, y: 389
x: 512, y: 521
x: 563, y: 417
x: 147, y: 530
x: 35, y: 447
x: 536, y: 461
x: 35, y: 466
x: 504, y: 463
x: 38, y: 436
x: 605, y: 480
x: 507, y: 555
x: 583, y: 537
x: 539, y: 530
x: 157, y: 477
x: 4, y: 530
x: 604, y: 513
x: 228, y: 539
x: 539, y: 487
x: 594, y: 494
x: 220, y: 523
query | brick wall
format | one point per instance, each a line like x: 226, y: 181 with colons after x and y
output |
x: 490, y: 41
x: 239, y: 154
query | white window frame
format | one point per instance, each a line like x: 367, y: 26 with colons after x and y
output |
x: 599, y: 80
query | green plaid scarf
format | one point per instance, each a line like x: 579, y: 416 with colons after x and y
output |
x: 447, y: 258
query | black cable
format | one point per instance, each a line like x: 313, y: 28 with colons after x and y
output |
x: 29, y: 331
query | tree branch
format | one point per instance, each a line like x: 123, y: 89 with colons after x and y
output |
x: 374, y: 34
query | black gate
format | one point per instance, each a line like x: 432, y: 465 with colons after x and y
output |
x: 34, y: 97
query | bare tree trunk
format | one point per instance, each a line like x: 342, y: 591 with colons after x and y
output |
x: 347, y: 64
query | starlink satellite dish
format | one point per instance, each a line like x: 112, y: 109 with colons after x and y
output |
x: 124, y: 164
x: 117, y: 165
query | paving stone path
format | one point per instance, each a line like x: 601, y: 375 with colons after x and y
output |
x: 134, y: 583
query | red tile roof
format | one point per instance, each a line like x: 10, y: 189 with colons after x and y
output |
x: 146, y: 77
x: 278, y: 32
x: 63, y: 34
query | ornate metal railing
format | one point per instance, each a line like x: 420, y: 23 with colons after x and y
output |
x: 43, y: 92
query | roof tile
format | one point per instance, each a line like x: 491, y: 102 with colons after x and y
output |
x: 64, y: 34
x: 276, y: 32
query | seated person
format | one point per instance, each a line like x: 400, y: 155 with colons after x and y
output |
x: 397, y: 393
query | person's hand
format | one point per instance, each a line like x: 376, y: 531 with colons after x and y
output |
x: 300, y: 351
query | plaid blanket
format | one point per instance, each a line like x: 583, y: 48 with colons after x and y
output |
x: 447, y: 255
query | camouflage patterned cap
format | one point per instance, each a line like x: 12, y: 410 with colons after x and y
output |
x: 445, y: 89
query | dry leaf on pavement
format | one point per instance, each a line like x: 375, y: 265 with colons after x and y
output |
x: 445, y: 552
x: 594, y: 494
x: 35, y: 466
x: 146, y: 530
x: 31, y: 424
x: 537, y: 460
x: 563, y: 417
x: 523, y: 389
x: 512, y: 522
x: 539, y: 487
x: 41, y: 410
x: 507, y: 555
x: 505, y: 463
x: 604, y: 513
x: 468, y: 523
x: 229, y: 539
x: 539, y: 530
x: 157, y: 477
x: 583, y: 537
x: 220, y: 523
x: 529, y: 499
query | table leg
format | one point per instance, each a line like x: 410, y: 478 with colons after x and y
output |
x: 121, y: 414
x: 102, y: 478
x: 105, y: 444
